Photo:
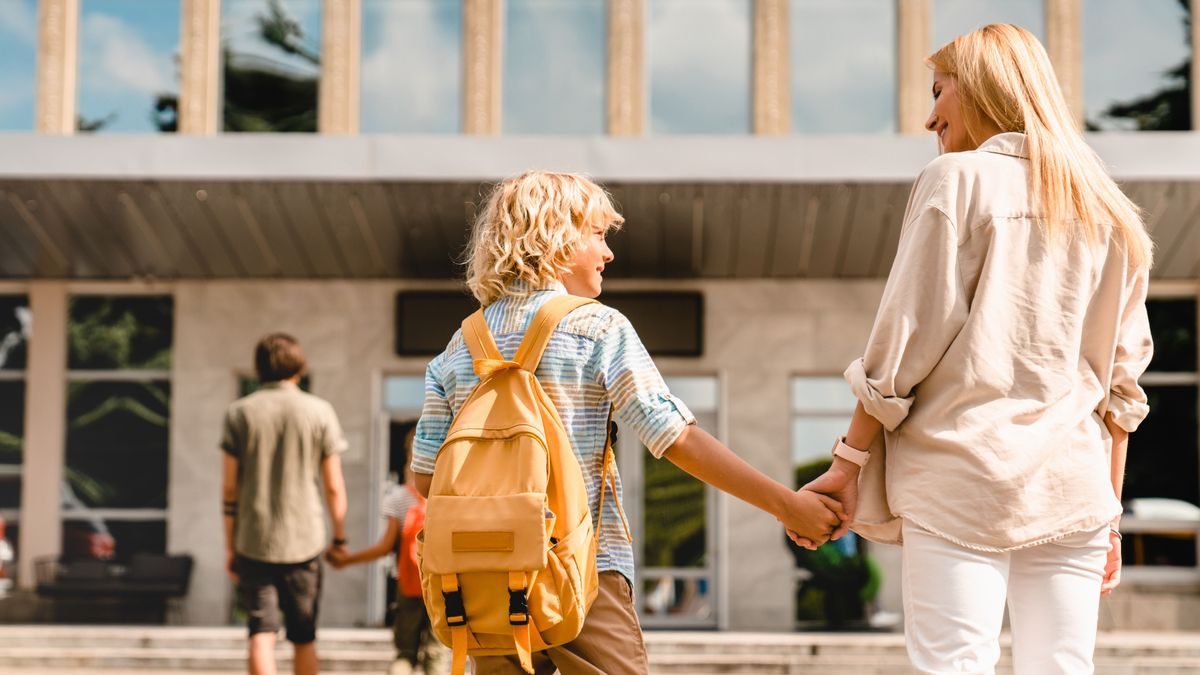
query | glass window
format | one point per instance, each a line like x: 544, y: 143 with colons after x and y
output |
x: 1136, y: 59
x: 858, y: 94
x: 554, y: 65
x: 12, y: 434
x: 18, y: 64
x: 952, y: 18
x: 411, y: 66
x: 404, y: 393
x: 15, y: 324
x: 128, y: 65
x: 271, y: 64
x: 120, y: 333
x: 115, y: 473
x: 699, y: 65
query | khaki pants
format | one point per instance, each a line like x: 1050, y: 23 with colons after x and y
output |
x: 610, y: 643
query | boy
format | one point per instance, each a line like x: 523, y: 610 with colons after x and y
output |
x: 404, y: 508
x: 538, y: 236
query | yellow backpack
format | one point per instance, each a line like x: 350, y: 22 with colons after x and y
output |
x: 508, y: 557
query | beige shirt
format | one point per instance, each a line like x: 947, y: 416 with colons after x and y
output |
x: 994, y: 357
x: 280, y: 435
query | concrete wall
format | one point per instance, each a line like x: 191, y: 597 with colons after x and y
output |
x: 758, y: 334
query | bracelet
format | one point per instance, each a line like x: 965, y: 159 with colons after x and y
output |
x: 339, y: 541
x: 1113, y: 530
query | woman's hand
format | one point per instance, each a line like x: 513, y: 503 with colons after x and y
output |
x: 841, y: 483
x: 1112, y: 566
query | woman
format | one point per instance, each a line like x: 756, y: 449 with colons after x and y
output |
x: 1003, y: 365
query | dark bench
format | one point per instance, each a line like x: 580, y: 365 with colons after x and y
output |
x: 100, y: 591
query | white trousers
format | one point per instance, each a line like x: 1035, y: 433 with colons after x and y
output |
x: 954, y: 601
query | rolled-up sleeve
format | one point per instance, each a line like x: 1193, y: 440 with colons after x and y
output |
x: 232, y: 434
x: 640, y: 398
x: 1135, y: 347
x: 333, y: 439
x: 436, y: 416
x: 924, y: 307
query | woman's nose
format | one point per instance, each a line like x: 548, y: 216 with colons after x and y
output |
x: 931, y: 123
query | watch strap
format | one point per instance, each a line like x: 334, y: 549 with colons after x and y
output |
x: 853, y: 455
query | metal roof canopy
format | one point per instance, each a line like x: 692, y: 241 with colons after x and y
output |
x: 307, y: 206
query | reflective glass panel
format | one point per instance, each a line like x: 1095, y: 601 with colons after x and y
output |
x: 1136, y: 57
x: 1167, y: 438
x: 18, y: 64
x: 108, y: 539
x: 1173, y: 325
x: 404, y: 392
x: 12, y: 433
x: 858, y: 94
x: 698, y: 393
x: 554, y: 54
x: 15, y: 323
x: 952, y: 18
x: 120, y: 333
x: 117, y: 439
x: 699, y: 66
x: 822, y: 394
x: 674, y: 516
x: 812, y: 439
x: 128, y: 65
x: 678, y: 597
x: 271, y: 64
x: 411, y: 66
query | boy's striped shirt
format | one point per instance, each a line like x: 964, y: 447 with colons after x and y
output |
x: 594, y: 361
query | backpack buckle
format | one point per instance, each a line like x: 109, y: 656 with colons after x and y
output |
x: 456, y: 613
x: 518, y: 607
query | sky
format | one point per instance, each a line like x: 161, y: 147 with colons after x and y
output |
x: 698, y: 55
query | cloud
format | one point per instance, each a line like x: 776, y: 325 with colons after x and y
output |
x: 18, y: 19
x: 699, y: 65
x: 411, y: 68
x: 554, y: 67
x: 115, y: 58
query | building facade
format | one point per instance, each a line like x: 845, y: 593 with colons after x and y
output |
x: 155, y: 221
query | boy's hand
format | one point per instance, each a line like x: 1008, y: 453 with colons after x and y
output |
x: 813, y: 517
x: 336, y: 556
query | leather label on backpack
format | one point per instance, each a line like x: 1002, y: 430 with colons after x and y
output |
x: 482, y: 541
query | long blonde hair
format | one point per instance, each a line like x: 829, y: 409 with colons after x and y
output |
x: 1004, y: 77
x: 529, y: 229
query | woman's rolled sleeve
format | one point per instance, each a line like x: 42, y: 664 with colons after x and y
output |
x: 1135, y: 347
x: 640, y: 398
x: 436, y: 416
x: 924, y: 306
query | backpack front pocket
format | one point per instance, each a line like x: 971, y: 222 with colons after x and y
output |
x: 485, y: 534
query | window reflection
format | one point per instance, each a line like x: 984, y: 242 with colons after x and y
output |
x: 15, y: 325
x: 554, y: 56
x: 12, y: 434
x: 115, y: 333
x: 676, y: 534
x: 128, y: 65
x: 117, y: 438
x: 699, y: 53
x: 1136, y: 59
x: 859, y: 94
x: 411, y: 66
x: 952, y: 18
x: 18, y: 64
x: 271, y: 64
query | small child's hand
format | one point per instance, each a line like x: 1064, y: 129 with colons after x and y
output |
x: 813, y: 516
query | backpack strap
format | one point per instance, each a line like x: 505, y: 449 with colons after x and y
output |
x: 478, y: 337
x: 529, y: 354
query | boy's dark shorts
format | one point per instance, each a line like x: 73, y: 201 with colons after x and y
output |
x: 266, y: 588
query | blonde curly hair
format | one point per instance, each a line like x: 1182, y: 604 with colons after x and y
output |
x: 530, y: 228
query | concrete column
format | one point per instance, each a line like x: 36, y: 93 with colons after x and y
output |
x: 483, y: 24
x: 1064, y: 43
x: 626, y: 84
x: 1195, y: 7
x: 200, y: 67
x: 45, y: 428
x: 341, y: 52
x: 772, y: 100
x: 57, y: 58
x: 914, y: 38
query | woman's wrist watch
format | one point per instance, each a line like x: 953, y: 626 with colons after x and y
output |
x: 852, y: 455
